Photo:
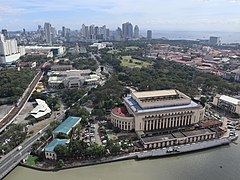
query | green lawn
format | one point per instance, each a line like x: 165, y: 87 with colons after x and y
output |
x: 131, y: 48
x: 31, y: 160
x: 113, y: 51
x: 128, y: 61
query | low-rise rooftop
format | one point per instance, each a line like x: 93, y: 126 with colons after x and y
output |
x: 157, y: 138
x: 197, y: 132
x: 67, y: 125
x: 230, y: 99
x: 41, y: 109
x: 159, y: 93
x: 50, y: 147
x: 178, y: 135
x: 136, y: 108
x: 121, y: 111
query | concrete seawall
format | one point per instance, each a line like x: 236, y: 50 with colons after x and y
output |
x: 155, y: 153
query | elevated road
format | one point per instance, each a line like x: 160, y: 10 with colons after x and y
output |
x: 9, y: 118
x: 13, y: 158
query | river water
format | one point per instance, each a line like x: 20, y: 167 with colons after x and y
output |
x: 220, y: 163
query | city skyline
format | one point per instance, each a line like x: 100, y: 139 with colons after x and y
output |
x: 193, y: 15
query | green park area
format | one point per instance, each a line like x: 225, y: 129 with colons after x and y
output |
x: 31, y: 160
x: 132, y: 48
x: 113, y: 51
x: 128, y: 61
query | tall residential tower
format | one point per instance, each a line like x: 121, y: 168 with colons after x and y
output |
x: 48, y: 33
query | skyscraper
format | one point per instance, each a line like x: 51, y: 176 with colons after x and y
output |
x: 53, y: 33
x: 39, y: 28
x: 5, y: 33
x: 215, y: 40
x: 103, y: 32
x: 87, y: 34
x: 118, y: 34
x: 63, y: 31
x: 24, y: 31
x: 83, y: 30
x: 8, y: 50
x: 47, y: 30
x: 92, y: 32
x: 149, y: 34
x: 136, y: 32
x: 127, y: 30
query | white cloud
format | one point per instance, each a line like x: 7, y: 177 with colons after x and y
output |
x: 11, y: 10
x: 156, y: 14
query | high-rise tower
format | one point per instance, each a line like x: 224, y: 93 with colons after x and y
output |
x: 48, y: 32
x: 127, y: 30
x: 136, y: 32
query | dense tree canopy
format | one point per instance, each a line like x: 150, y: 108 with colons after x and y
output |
x: 13, y: 83
x: 167, y: 75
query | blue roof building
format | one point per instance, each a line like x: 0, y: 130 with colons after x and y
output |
x: 49, y: 149
x: 67, y: 125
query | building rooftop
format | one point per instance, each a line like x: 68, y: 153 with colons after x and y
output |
x: 121, y: 111
x: 230, y: 99
x: 157, y: 138
x: 55, y: 79
x: 178, y: 135
x: 159, y: 93
x: 67, y: 125
x: 41, y: 109
x: 50, y: 147
x: 197, y: 132
x: 236, y: 70
x: 136, y: 108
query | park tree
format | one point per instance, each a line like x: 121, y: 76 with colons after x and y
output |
x: 61, y: 150
x: 62, y: 135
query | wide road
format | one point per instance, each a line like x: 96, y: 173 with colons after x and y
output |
x: 14, y: 112
x: 11, y: 160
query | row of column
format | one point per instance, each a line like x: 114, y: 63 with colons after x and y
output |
x: 127, y: 126
x: 167, y: 123
x: 176, y: 142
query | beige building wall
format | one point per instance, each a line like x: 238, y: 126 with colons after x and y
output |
x: 179, y: 141
x: 50, y: 155
x: 124, y: 123
x: 168, y: 119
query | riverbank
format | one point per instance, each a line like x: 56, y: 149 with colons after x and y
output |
x: 219, y: 163
x: 155, y: 153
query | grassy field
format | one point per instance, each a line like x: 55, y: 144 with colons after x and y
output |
x: 31, y: 160
x: 128, y: 61
x: 131, y: 48
x: 113, y: 51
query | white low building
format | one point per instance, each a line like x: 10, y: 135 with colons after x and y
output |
x: 227, y: 103
x: 73, y: 78
x: 55, y: 81
x: 41, y: 109
x: 73, y: 81
x: 56, y: 50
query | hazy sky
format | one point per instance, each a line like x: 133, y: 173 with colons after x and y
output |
x: 213, y: 15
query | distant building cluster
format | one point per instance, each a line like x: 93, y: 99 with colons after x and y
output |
x: 102, y: 33
x: 47, y: 34
x: 204, y: 58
